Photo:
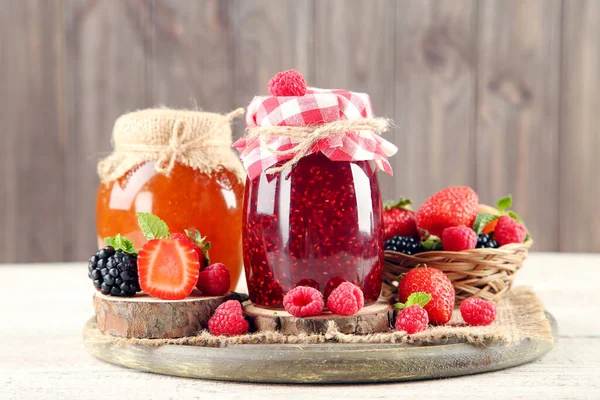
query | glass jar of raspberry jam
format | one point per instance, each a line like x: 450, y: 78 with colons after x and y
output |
x: 316, y: 224
x: 312, y: 204
x: 154, y: 169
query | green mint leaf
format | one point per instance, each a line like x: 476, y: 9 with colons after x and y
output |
x: 418, y: 299
x: 415, y: 299
x: 504, y: 203
x: 482, y: 220
x: 152, y: 227
x: 111, y: 241
x: 514, y: 216
x: 121, y: 243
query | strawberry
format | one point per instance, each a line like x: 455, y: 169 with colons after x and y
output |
x: 168, y: 268
x: 399, y: 219
x: 200, y: 244
x: 453, y: 206
x: 434, y: 282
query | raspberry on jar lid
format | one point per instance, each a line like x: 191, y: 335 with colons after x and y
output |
x: 287, y: 83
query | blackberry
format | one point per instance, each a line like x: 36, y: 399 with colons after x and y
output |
x: 404, y: 244
x: 486, y: 241
x: 114, y: 272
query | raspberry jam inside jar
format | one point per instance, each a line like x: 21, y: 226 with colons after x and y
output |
x: 316, y: 224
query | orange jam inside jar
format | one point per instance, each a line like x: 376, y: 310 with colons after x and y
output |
x: 185, y: 198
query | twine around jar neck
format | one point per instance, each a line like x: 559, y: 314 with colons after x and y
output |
x: 309, y: 135
x: 179, y: 144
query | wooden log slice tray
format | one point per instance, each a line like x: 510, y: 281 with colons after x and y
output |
x: 316, y: 363
x: 147, y: 317
x: 377, y: 317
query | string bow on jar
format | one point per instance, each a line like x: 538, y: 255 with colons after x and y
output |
x: 196, y: 139
x: 338, y: 123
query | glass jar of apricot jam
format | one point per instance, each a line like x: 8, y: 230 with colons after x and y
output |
x: 317, y: 224
x: 312, y: 204
x: 189, y: 187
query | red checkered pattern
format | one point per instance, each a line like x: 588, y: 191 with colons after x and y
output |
x: 318, y: 106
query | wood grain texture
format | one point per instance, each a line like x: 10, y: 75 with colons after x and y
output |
x: 497, y: 94
x: 316, y: 363
x: 571, y: 371
x: 435, y: 96
x: 108, y: 42
x: 353, y: 49
x: 192, y: 55
x: 147, y: 317
x: 268, y: 39
x: 33, y: 144
x: 580, y: 127
x: 518, y: 60
x: 377, y: 317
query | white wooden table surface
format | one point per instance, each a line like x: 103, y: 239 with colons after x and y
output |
x: 43, y: 308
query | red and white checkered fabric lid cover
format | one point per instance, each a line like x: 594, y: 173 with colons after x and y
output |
x: 318, y: 106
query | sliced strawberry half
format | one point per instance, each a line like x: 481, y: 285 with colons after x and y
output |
x: 168, y: 268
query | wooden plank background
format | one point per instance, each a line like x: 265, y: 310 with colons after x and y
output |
x: 502, y: 95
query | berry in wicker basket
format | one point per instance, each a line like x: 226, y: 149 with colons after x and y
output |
x: 486, y: 268
x: 486, y: 273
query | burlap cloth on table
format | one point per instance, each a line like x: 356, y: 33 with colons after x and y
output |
x: 520, y: 315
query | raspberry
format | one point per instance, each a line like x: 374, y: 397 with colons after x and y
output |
x: 303, y: 301
x: 509, y: 231
x: 228, y: 320
x: 459, y: 238
x: 478, y: 312
x: 331, y: 285
x: 287, y: 83
x: 214, y: 280
x: 412, y: 319
x: 346, y: 299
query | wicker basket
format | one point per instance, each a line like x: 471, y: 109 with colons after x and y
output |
x: 484, y: 273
